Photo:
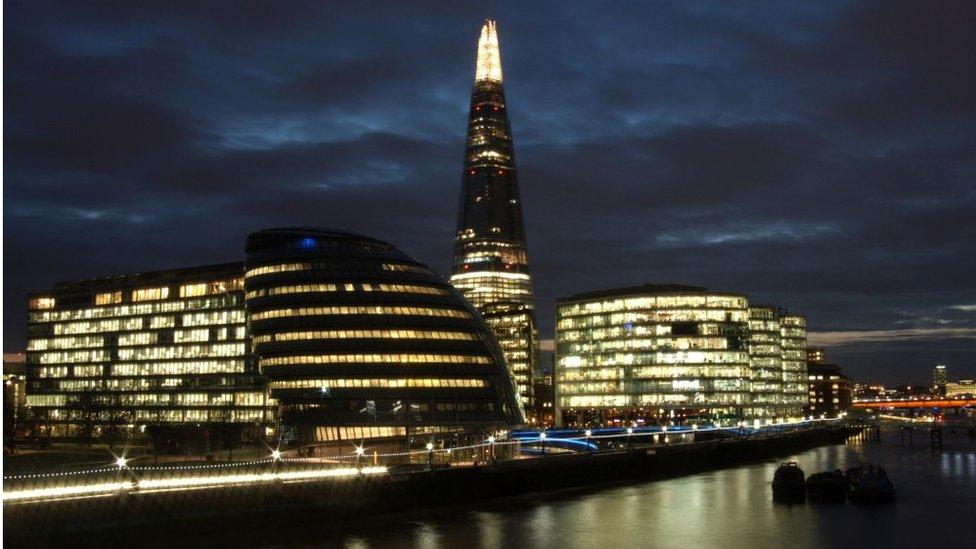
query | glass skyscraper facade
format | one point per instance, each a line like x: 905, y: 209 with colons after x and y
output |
x: 359, y: 341
x: 490, y: 265
x: 148, y: 350
x: 766, y: 359
x: 659, y: 353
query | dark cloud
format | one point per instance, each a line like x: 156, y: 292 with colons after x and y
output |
x: 817, y: 156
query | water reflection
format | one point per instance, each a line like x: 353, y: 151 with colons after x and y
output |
x: 731, y: 508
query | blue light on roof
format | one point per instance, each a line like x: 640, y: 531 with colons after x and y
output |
x: 308, y: 243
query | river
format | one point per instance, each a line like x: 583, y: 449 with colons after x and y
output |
x: 730, y: 508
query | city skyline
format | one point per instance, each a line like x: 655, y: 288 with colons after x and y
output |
x: 634, y: 173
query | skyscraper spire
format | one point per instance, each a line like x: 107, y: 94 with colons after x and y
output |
x: 489, y: 60
x: 490, y: 265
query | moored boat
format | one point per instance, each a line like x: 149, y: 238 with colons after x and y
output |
x: 870, y: 484
x: 827, y: 486
x: 789, y: 483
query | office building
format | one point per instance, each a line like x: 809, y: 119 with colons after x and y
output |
x: 360, y: 342
x: 940, y: 376
x: 794, y: 347
x: 651, y: 353
x: 962, y: 388
x: 766, y: 363
x: 162, y: 353
x: 490, y: 265
x: 830, y: 391
x: 816, y: 355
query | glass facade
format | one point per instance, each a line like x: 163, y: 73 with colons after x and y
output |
x: 490, y: 264
x: 766, y: 360
x: 357, y: 340
x: 153, y: 349
x: 794, y: 344
x: 660, y: 352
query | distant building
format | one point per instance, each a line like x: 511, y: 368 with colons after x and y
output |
x: 162, y: 352
x: 940, y: 376
x: 360, y: 342
x: 816, y: 355
x: 490, y: 265
x: 794, y: 343
x: 669, y: 352
x: 961, y: 388
x: 766, y: 363
x: 545, y: 405
x: 830, y: 391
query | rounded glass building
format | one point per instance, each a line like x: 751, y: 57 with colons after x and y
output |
x: 359, y: 341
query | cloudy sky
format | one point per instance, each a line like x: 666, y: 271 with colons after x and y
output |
x: 819, y: 155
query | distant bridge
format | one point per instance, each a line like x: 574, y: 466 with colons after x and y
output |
x: 916, y: 403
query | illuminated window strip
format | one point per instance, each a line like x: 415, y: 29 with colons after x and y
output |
x: 370, y: 310
x: 338, y: 287
x: 374, y: 358
x: 288, y: 267
x: 377, y: 383
x: 366, y: 334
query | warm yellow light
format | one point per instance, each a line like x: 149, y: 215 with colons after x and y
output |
x: 489, y: 58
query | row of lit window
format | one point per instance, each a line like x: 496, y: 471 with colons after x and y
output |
x: 306, y: 266
x: 361, y: 310
x: 660, y: 316
x: 671, y: 343
x: 677, y: 357
x: 62, y: 357
x: 182, y: 351
x: 322, y: 288
x: 189, y: 367
x: 678, y: 399
x: 653, y: 372
x: 156, y: 416
x: 366, y: 334
x: 374, y: 358
x: 653, y: 303
x: 136, y: 309
x: 649, y: 387
x: 376, y: 383
x: 77, y: 342
x: 137, y: 384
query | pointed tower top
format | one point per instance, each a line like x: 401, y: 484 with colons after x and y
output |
x: 489, y: 59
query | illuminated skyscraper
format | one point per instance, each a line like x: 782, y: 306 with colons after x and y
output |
x: 490, y: 266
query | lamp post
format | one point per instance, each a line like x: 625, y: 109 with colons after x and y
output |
x: 430, y: 456
x: 630, y: 431
x: 491, y: 448
x: 542, y: 437
x: 588, y: 434
x: 359, y: 457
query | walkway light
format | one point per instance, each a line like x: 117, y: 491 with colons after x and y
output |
x: 121, y: 462
x: 276, y: 454
x: 360, y: 451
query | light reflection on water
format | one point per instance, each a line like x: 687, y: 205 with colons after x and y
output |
x: 731, y: 508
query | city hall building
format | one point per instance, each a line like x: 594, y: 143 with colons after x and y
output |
x: 359, y: 341
x: 657, y: 353
x: 160, y: 352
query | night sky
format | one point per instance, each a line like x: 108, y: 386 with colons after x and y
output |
x: 819, y: 156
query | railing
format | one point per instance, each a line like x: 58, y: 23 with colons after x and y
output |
x: 122, y: 477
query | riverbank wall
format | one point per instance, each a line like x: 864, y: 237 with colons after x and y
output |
x: 133, y: 517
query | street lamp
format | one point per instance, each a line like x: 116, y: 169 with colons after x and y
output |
x: 359, y: 457
x: 491, y: 448
x: 430, y: 455
x: 542, y: 437
x: 630, y: 431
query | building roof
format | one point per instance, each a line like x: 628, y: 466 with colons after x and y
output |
x: 645, y: 289
x: 148, y: 277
